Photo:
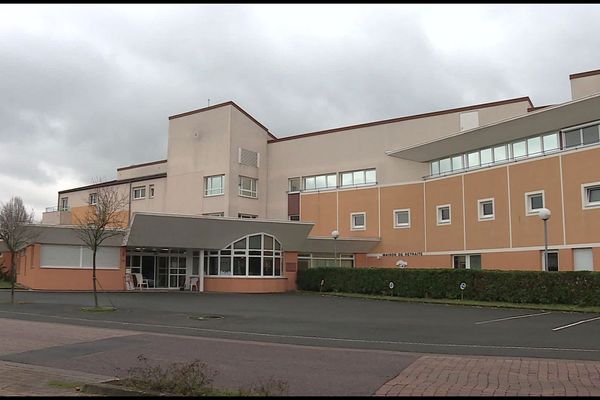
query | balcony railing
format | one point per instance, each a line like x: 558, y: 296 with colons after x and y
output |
x: 56, y: 208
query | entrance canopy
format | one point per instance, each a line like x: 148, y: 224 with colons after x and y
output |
x: 206, y: 232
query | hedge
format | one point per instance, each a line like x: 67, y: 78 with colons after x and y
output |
x: 580, y: 288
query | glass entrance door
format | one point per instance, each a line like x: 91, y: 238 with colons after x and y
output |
x: 162, y: 271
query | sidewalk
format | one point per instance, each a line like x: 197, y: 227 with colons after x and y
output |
x: 18, y: 379
x: 439, y: 375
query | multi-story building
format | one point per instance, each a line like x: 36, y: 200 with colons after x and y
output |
x: 243, y: 210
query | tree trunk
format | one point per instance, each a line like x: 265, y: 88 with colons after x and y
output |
x: 13, y: 277
x: 94, y: 277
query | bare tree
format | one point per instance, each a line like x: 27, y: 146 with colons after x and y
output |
x: 16, y: 234
x: 105, y: 219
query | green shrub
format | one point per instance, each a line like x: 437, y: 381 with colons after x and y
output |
x: 580, y: 288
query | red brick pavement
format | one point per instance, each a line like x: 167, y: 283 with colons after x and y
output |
x: 438, y: 375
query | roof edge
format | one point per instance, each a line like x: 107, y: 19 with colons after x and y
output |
x: 584, y: 74
x: 114, y: 182
x: 407, y: 118
x: 142, y: 165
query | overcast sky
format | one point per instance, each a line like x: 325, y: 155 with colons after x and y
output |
x: 85, y: 89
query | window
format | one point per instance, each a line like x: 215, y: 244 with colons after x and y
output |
x: 473, y: 159
x: 467, y: 261
x: 215, y: 214
x: 583, y: 136
x: 324, y: 260
x: 572, y: 138
x: 64, y: 204
x: 362, y: 177
x: 590, y: 134
x: 294, y: 218
x: 139, y: 192
x: 214, y: 185
x: 358, y: 221
x: 457, y: 163
x: 486, y: 157
x: 402, y: 218
x: 247, y: 216
x: 294, y: 185
x: 486, y: 209
x: 551, y: 142
x: 435, y: 168
x: 248, y: 187
x: 320, y: 182
x: 93, y: 199
x: 445, y: 165
x: 443, y: 214
x: 519, y: 149
x: 534, y: 146
x: 534, y: 201
x: 253, y: 255
x: 151, y: 191
x: 500, y: 153
x: 590, y: 194
x: 552, y: 260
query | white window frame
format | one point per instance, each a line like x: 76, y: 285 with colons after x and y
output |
x: 93, y: 199
x: 353, y: 184
x: 439, y: 214
x: 253, y: 192
x: 585, y: 204
x: 64, y: 204
x: 483, y: 217
x: 358, y: 227
x: 528, y: 195
x: 138, y: 188
x: 404, y: 225
x: 543, y: 254
x: 314, y: 177
x: 209, y: 192
x: 151, y: 191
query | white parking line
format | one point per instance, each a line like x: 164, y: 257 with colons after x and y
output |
x: 515, y: 317
x: 575, y: 323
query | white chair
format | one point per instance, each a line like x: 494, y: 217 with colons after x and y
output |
x: 191, y: 282
x: 141, y: 281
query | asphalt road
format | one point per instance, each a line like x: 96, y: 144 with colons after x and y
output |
x: 326, y: 321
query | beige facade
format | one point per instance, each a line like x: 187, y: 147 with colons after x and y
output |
x: 434, y: 190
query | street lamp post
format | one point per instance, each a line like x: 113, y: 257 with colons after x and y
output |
x: 335, y: 235
x: 544, y: 215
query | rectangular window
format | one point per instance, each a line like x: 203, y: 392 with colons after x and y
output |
x: 151, y: 191
x: 468, y: 261
x: 534, y: 146
x: 294, y: 218
x: 358, y: 221
x: 486, y: 209
x: 590, y: 134
x: 215, y: 214
x: 294, y: 185
x: 402, y: 218
x: 500, y: 153
x: 443, y: 214
x: 573, y: 138
x: 445, y: 165
x: 519, y: 149
x: 247, y: 216
x: 248, y: 187
x: 534, y: 201
x: 551, y: 142
x: 457, y: 163
x: 93, y: 199
x: 320, y: 182
x: 362, y: 177
x: 473, y: 159
x: 486, y: 156
x: 64, y: 204
x: 139, y: 192
x: 214, y: 185
x: 435, y: 169
x: 590, y: 194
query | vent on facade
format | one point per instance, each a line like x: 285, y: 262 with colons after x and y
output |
x: 249, y: 158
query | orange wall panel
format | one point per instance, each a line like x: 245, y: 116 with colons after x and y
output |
x: 487, y: 234
x: 581, y: 225
x: 321, y: 209
x: 354, y: 201
x: 245, y: 285
x: 437, y: 193
x: 542, y: 174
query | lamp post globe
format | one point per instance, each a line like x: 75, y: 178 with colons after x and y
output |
x: 544, y: 214
x: 335, y: 234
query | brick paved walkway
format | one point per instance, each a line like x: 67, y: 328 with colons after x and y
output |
x: 494, y: 376
x: 18, y: 379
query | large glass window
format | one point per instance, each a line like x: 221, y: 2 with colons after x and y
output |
x: 214, y: 185
x: 319, y: 182
x: 248, y: 187
x: 322, y: 260
x: 294, y: 185
x: 362, y: 177
x: 253, y: 255
x: 445, y: 165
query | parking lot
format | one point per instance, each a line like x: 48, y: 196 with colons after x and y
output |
x: 316, y: 344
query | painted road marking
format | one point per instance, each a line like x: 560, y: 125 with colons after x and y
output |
x: 575, y: 323
x: 515, y: 317
x: 331, y: 339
